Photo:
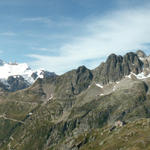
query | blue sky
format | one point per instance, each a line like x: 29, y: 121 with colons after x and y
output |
x: 60, y: 35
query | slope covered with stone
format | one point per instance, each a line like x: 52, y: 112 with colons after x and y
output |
x: 74, y: 111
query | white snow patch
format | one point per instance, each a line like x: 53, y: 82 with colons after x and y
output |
x: 51, y: 97
x: 30, y: 114
x: 99, y: 85
x: 101, y: 94
x: 139, y: 76
x: 129, y: 76
x: 142, y: 76
x: 114, y: 88
x: 141, y: 58
x: 39, y: 73
x: 118, y: 82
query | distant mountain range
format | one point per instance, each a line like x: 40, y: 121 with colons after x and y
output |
x: 14, y: 76
x: 107, y: 108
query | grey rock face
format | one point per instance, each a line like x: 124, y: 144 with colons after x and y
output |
x: 131, y: 63
x: 74, y: 107
x: 75, y: 81
x: 71, y: 83
x: 34, y: 75
x: 83, y: 79
x: 141, y: 54
x: 17, y: 83
x: 145, y: 59
x: 45, y: 74
x: 116, y: 67
x: 1, y: 63
x: 3, y: 87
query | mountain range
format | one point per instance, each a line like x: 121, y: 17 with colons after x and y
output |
x: 107, y: 108
x: 14, y: 76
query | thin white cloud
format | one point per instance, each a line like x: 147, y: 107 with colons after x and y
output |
x: 40, y: 48
x: 113, y: 33
x: 46, y: 20
x: 56, y: 22
x: 8, y: 34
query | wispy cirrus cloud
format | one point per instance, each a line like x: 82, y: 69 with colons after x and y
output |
x: 56, y: 22
x: 8, y: 34
x: 46, y: 20
x: 40, y: 48
x: 116, y: 32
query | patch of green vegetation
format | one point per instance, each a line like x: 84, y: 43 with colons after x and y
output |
x: 6, y: 126
x: 132, y: 136
x: 16, y: 110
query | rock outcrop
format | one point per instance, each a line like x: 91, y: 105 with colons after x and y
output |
x: 65, y: 112
x: 141, y: 54
x: 17, y: 83
x: 117, y: 67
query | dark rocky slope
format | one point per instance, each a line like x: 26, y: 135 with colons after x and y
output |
x: 116, y: 67
x: 59, y: 113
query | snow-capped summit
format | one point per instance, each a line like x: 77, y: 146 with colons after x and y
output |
x: 20, y: 73
x: 14, y: 69
x: 10, y: 69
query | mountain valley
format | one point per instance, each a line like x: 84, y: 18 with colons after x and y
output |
x: 107, y: 108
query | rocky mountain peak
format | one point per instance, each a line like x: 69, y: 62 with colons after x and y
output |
x: 81, y: 69
x: 132, y: 63
x: 16, y: 83
x: 114, y: 57
x: 113, y: 60
x: 116, y: 67
x: 73, y: 110
x: 141, y: 54
x: 111, y: 56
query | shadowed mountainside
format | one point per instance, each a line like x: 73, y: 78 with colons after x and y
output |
x: 78, y: 109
